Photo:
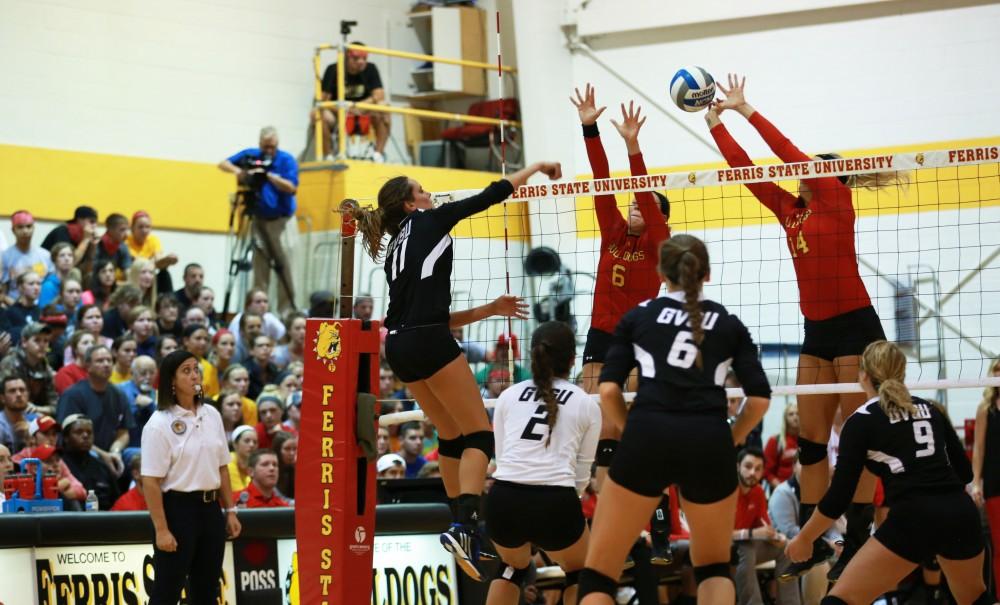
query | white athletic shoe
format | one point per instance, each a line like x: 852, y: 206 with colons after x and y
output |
x: 377, y: 157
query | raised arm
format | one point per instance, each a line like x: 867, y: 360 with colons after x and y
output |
x: 496, y: 192
x: 629, y: 128
x: 605, y: 205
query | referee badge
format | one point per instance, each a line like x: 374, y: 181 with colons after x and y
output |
x: 178, y: 427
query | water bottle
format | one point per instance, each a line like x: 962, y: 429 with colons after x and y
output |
x: 91, y: 504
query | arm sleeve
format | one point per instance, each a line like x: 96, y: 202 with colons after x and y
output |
x: 374, y: 79
x: 499, y: 426
x: 746, y: 364
x: 605, y: 205
x: 782, y: 508
x: 656, y: 226
x: 155, y: 453
x: 588, y: 445
x: 329, y: 84
x: 449, y: 214
x: 762, y: 505
x: 239, y: 155
x: 67, y: 405
x: 768, y: 193
x: 850, y: 464
x: 128, y: 421
x: 788, y: 152
x: 956, y: 451
x: 289, y: 169
x: 620, y: 360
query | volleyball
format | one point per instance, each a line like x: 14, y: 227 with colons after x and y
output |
x: 692, y: 88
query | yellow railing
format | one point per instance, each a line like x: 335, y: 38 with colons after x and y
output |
x: 342, y: 106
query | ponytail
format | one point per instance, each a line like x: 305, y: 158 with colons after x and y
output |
x: 373, y: 224
x: 553, y: 346
x: 684, y: 261
x: 885, y: 365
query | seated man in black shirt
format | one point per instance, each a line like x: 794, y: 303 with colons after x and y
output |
x: 362, y: 84
x: 78, y: 440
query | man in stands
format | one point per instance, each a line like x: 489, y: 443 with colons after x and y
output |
x: 113, y: 247
x: 362, y: 84
x: 755, y: 538
x: 274, y: 189
x: 105, y: 407
x: 411, y: 448
x: 194, y: 279
x: 133, y: 499
x: 263, y: 465
x: 364, y: 305
x: 81, y: 233
x: 141, y: 396
x: 15, y: 427
x: 28, y: 362
x: 22, y: 257
x: 391, y: 466
x: 78, y: 441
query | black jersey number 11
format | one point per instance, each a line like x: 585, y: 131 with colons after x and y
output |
x: 539, y: 417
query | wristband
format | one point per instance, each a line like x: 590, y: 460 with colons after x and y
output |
x: 231, y: 510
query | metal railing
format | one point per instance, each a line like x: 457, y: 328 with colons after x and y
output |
x: 342, y: 106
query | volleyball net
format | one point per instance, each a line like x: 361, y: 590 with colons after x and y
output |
x: 928, y: 251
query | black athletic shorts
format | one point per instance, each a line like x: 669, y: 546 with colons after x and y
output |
x: 945, y: 524
x: 842, y: 335
x: 659, y: 448
x: 596, y: 349
x: 548, y: 516
x: 418, y: 353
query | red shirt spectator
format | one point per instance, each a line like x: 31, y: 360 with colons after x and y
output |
x: 131, y: 500
x: 780, y: 463
x: 256, y: 499
x: 263, y: 466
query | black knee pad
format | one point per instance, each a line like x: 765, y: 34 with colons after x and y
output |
x: 511, y: 574
x: 811, y: 452
x: 451, y: 448
x: 832, y: 600
x: 713, y: 570
x: 572, y: 578
x: 606, y: 451
x: 592, y: 580
x: 985, y: 599
x: 482, y: 441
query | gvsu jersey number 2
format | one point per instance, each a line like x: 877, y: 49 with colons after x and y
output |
x: 540, y: 416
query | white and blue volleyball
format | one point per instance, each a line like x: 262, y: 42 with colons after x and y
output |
x: 692, y: 88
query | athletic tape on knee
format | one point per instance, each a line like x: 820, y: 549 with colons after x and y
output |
x: 713, y: 570
x: 606, y: 451
x: 832, y: 600
x: 811, y: 452
x: 451, y: 448
x: 482, y: 441
x: 511, y: 574
x: 592, y: 580
x: 572, y: 578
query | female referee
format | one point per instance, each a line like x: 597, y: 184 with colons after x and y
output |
x: 839, y: 318
x: 546, y: 434
x: 676, y: 430
x: 185, y: 474
x: 420, y: 348
x: 914, y: 449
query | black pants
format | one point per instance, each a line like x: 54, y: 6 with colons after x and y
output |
x: 200, y: 530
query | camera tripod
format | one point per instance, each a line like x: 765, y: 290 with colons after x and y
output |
x: 249, y: 241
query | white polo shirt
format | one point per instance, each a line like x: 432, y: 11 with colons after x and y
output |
x: 186, y: 448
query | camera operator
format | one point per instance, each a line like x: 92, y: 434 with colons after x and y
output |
x: 268, y: 178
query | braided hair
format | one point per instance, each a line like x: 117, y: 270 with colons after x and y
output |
x: 553, y: 346
x: 684, y: 261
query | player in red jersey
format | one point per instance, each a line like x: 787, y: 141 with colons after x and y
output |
x: 626, y: 270
x: 839, y: 318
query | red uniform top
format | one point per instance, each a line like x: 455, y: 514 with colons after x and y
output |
x: 68, y: 375
x: 131, y: 500
x: 820, y: 236
x: 255, y: 499
x: 751, y: 509
x: 780, y: 464
x: 626, y: 271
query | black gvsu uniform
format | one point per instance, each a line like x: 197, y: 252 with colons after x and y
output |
x: 676, y: 430
x: 418, y: 269
x: 923, y: 469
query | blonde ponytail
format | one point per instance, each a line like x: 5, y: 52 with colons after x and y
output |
x: 885, y: 364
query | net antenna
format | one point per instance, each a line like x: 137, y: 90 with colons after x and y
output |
x: 503, y: 173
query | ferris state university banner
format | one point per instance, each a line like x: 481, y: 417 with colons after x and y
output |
x: 334, y: 480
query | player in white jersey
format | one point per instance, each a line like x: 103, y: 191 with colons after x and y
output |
x: 546, y: 431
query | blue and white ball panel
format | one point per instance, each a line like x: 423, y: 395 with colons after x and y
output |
x: 692, y: 88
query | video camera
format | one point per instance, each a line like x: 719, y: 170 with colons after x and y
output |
x: 256, y: 169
